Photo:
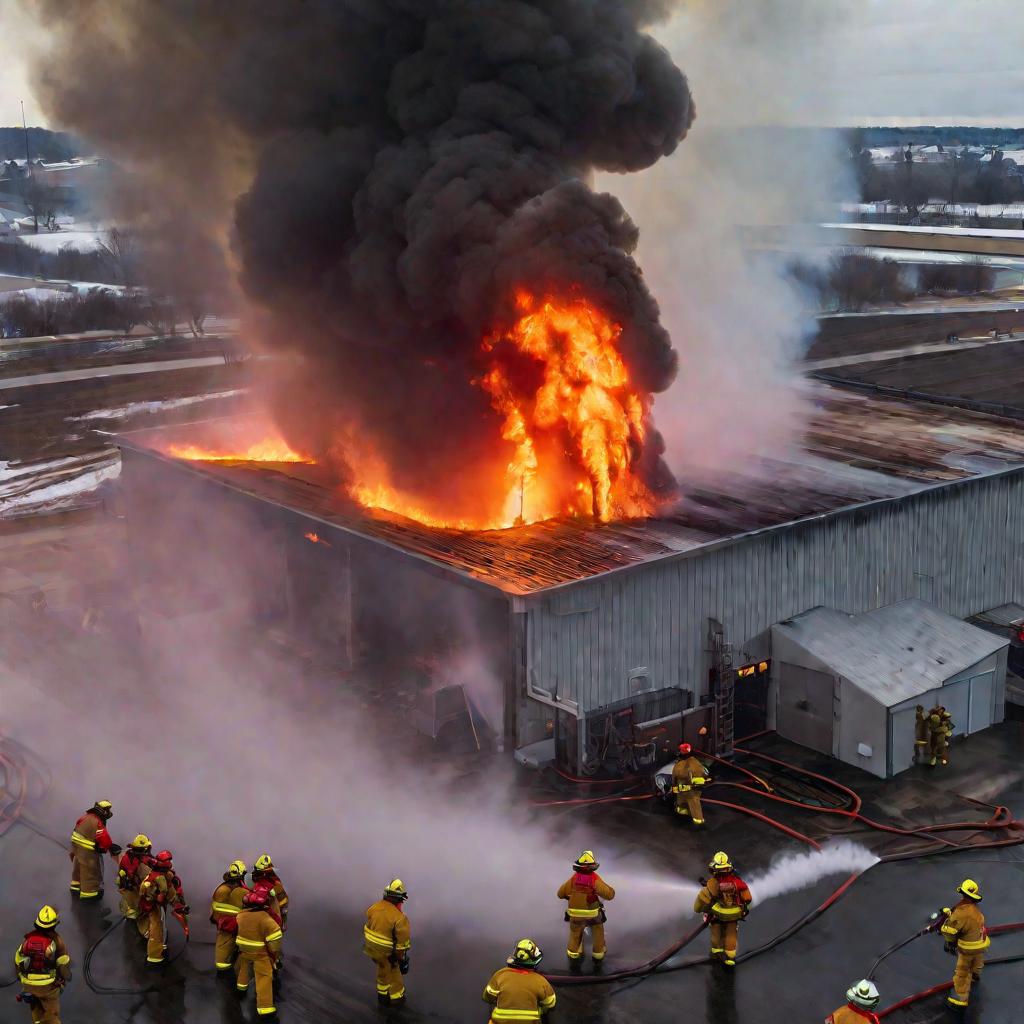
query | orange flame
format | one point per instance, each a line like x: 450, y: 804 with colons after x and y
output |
x: 315, y: 538
x: 270, y: 449
x: 574, y: 428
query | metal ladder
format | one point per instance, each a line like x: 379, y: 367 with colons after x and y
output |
x: 725, y: 692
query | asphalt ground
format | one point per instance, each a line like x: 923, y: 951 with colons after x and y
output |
x: 327, y: 979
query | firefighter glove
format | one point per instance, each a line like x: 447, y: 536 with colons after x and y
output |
x: 950, y: 947
x: 114, y: 850
x: 403, y: 964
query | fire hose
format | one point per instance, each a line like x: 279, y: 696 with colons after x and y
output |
x: 1001, y: 819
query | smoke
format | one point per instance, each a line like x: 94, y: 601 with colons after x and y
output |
x: 791, y: 872
x: 761, y: 75
x: 795, y: 871
x: 406, y: 166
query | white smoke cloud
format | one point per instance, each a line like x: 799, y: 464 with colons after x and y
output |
x: 737, y: 321
x: 794, y: 871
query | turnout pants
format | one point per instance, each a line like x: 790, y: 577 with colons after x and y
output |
x: 967, y: 966
x: 46, y: 1005
x: 390, y: 982
x: 724, y: 940
x: 920, y: 751
x: 688, y: 806
x: 576, y: 930
x: 86, y: 873
x: 155, y: 945
x: 224, y: 951
x: 129, y: 904
x: 262, y: 968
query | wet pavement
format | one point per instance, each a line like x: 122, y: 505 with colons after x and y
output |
x: 802, y: 979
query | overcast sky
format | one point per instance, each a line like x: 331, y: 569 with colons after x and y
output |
x: 827, y: 61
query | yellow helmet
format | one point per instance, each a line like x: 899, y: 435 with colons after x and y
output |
x: 47, y: 918
x: 263, y: 862
x: 104, y: 807
x: 586, y: 861
x: 526, y: 954
x: 396, y: 891
x: 237, y: 869
x: 720, y: 862
x: 141, y: 842
x: 969, y: 888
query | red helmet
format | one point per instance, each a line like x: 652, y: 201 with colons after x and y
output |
x: 685, y: 749
x: 163, y: 860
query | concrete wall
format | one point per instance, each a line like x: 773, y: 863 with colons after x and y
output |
x: 960, y: 546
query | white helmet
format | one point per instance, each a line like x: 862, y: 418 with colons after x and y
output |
x: 863, y: 994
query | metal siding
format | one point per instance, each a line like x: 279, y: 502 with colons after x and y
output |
x: 969, y: 538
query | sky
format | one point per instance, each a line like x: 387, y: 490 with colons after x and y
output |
x: 880, y: 61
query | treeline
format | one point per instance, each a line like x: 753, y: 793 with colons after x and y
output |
x: 927, y: 135
x: 42, y: 143
x: 852, y: 280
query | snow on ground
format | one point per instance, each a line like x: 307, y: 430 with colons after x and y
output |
x: 85, y: 238
x: 137, y: 408
x: 32, y: 487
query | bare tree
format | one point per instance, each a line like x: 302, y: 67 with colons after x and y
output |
x: 122, y: 252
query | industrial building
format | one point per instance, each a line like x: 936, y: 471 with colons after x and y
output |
x: 586, y: 626
x: 849, y: 685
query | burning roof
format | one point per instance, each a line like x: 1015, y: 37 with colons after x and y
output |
x: 857, y: 449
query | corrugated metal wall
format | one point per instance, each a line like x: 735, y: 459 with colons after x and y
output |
x: 961, y: 547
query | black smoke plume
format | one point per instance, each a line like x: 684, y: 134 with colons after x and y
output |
x: 396, y: 169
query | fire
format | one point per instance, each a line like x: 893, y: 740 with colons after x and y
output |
x: 315, y: 538
x: 569, y: 417
x: 269, y: 449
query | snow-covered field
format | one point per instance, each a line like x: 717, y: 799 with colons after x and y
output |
x: 144, y: 408
x: 50, y: 486
x: 85, y: 238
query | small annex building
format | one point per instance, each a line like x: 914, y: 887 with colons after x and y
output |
x: 848, y: 685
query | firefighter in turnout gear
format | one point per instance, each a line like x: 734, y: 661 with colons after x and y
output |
x: 263, y: 873
x: 585, y: 890
x: 226, y: 902
x: 386, y: 941
x: 160, y: 889
x: 44, y: 967
x: 724, y: 900
x: 920, y: 735
x: 861, y: 1000
x: 947, y: 735
x: 689, y: 776
x: 259, y: 946
x: 89, y: 841
x: 965, y: 935
x: 518, y: 992
x: 132, y: 869
x: 936, y: 738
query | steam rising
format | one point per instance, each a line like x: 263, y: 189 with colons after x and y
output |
x: 406, y: 164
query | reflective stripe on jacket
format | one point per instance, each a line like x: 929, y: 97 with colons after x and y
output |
x: 387, y: 927
x: 685, y: 773
x: 90, y: 833
x: 226, y: 901
x: 584, y: 891
x: 258, y: 932
x: 518, y: 994
x: 723, y: 906
x: 56, y: 953
x: 966, y: 924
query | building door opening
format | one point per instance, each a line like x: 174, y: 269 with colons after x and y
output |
x: 751, y: 702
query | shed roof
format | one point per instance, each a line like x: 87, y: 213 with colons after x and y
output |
x: 892, y: 653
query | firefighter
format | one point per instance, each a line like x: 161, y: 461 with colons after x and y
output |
x: 936, y: 738
x: 965, y: 934
x: 861, y: 1000
x: 724, y: 900
x: 259, y: 945
x: 44, y: 968
x: 518, y: 992
x: 947, y: 735
x: 584, y: 891
x: 386, y: 941
x: 920, y: 734
x: 688, y: 777
x: 226, y: 902
x: 89, y: 841
x: 160, y: 889
x: 132, y: 869
x: 263, y: 873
